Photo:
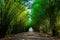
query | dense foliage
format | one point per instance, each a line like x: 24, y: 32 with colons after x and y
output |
x: 15, y: 17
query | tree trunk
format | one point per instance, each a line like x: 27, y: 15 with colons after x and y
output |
x: 52, y: 16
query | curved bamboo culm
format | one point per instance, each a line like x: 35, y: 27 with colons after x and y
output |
x: 11, y: 14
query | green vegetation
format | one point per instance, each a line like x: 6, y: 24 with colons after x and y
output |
x: 15, y: 17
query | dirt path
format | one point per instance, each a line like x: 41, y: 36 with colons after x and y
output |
x: 28, y: 36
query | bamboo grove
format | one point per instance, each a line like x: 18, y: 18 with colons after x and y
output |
x: 17, y: 16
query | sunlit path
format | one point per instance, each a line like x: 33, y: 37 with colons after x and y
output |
x: 30, y: 29
x: 29, y: 36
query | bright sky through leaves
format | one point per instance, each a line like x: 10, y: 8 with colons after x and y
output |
x: 28, y: 7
